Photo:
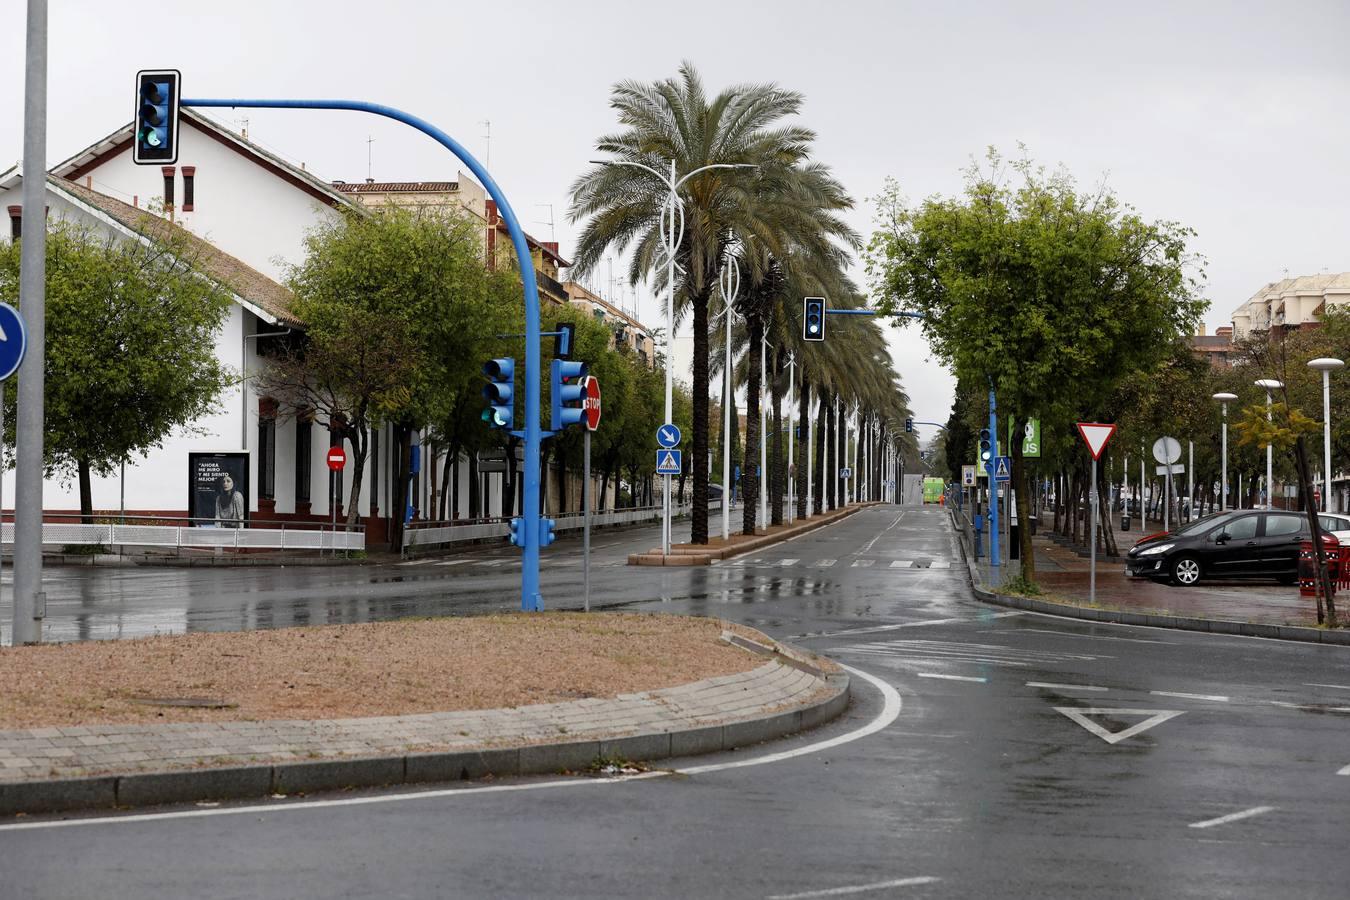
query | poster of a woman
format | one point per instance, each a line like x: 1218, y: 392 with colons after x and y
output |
x: 218, y: 489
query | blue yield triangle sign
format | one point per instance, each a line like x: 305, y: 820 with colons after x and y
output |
x: 1002, y: 468
x: 667, y: 462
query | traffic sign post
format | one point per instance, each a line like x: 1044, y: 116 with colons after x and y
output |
x: 337, y: 461
x: 590, y: 405
x: 667, y: 438
x: 1167, y: 450
x: 1095, y: 435
x: 13, y: 344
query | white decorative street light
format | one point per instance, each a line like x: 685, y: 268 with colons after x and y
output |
x: 672, y: 233
x: 730, y: 281
x: 792, y: 414
x: 1225, y: 399
x: 1270, y: 384
x: 1326, y: 365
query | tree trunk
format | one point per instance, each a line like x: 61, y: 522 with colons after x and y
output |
x: 1108, y: 533
x: 698, y: 529
x: 1314, y: 523
x: 828, y: 435
x: 402, y: 442
x: 776, y: 461
x: 1019, y: 474
x: 475, y: 489
x: 818, y: 464
x: 87, y: 493
x: 749, y: 483
x: 801, y: 447
x: 359, y: 438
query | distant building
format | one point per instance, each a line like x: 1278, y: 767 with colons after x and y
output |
x: 1291, y: 303
x: 1217, y: 348
x: 628, y: 331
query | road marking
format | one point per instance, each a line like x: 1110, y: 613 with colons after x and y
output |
x: 879, y: 534
x: 1344, y: 771
x: 417, y: 562
x: 454, y: 562
x: 1095, y: 637
x: 1065, y: 687
x: 940, y: 564
x: 1339, y: 687
x: 788, y: 562
x: 1232, y: 817
x: 870, y: 629
x: 1155, y: 717
x: 856, y: 889
x: 862, y: 563
x: 826, y: 563
x: 1215, y: 697
x: 890, y: 711
x: 953, y: 677
x: 902, y: 564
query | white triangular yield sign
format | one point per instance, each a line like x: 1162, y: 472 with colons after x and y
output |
x: 1155, y: 717
x: 1096, y: 435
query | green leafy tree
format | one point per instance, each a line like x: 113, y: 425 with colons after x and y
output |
x: 130, y: 340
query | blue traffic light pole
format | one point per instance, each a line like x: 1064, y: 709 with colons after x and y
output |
x: 994, y: 558
x: 530, y: 598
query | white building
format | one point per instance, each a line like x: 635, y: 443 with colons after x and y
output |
x: 1291, y: 303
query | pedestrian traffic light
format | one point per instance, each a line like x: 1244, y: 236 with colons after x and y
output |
x: 518, y: 532
x: 566, y: 393
x: 813, y: 319
x: 986, y: 446
x: 546, y: 535
x: 909, y: 425
x: 501, y: 375
x: 155, y: 141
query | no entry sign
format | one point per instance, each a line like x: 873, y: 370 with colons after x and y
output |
x: 337, y: 458
x: 591, y: 402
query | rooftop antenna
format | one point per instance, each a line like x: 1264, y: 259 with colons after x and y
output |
x: 487, y: 143
x: 552, y: 236
x: 369, y: 140
x: 243, y: 128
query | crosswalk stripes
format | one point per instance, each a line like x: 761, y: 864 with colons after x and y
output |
x: 902, y: 564
x: 862, y: 563
x: 825, y: 563
x: 940, y: 564
x: 788, y: 562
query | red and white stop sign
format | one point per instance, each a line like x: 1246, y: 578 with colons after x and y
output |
x: 591, y: 402
x: 337, y: 458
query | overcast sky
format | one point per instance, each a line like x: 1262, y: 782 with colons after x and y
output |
x: 1229, y: 117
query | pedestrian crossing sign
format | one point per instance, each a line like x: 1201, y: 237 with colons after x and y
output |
x: 668, y: 462
x: 1002, y: 468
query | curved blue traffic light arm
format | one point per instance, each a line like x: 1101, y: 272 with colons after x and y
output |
x: 530, y: 598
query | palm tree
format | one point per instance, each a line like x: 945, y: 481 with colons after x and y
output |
x: 674, y: 119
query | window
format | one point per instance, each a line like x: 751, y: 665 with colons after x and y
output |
x: 168, y: 186
x: 267, y: 457
x: 15, y: 222
x: 189, y: 187
x: 304, y: 425
x: 1277, y: 526
x: 1241, y: 529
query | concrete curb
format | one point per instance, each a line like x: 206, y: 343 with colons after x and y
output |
x: 255, y: 781
x: 693, y: 555
x: 1155, y: 620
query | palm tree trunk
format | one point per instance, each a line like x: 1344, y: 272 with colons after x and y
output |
x: 827, y: 436
x: 750, y: 484
x: 803, y: 411
x: 776, y: 446
x: 698, y: 531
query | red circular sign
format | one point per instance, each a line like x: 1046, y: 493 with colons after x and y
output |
x: 337, y: 458
x: 591, y: 402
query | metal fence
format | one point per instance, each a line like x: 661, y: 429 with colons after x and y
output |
x: 425, y: 534
x: 195, y: 534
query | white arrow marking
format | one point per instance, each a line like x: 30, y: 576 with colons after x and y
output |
x: 1232, y: 817
x: 857, y: 888
x: 1155, y: 717
x: 667, y: 435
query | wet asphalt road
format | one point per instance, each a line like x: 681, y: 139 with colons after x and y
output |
x: 1011, y: 769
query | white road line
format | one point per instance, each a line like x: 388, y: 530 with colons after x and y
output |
x: 417, y: 562
x: 1065, y: 687
x: 1232, y: 817
x: 953, y: 677
x: 1344, y: 771
x: 1339, y: 687
x: 1001, y: 615
x: 902, y: 564
x: 1095, y: 637
x: 1215, y: 697
x: 454, y: 562
x: 890, y: 711
x: 940, y: 564
x: 788, y: 562
x: 856, y: 889
x: 879, y: 535
x: 862, y: 563
x: 826, y: 563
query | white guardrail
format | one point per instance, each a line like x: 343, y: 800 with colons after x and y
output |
x: 188, y: 537
x: 433, y: 533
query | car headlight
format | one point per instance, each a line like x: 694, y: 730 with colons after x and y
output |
x: 1155, y: 550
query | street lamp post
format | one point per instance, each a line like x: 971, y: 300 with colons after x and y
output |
x: 792, y: 413
x: 1270, y: 384
x: 1326, y: 365
x: 672, y: 233
x: 730, y: 281
x: 763, y: 431
x: 1224, y: 398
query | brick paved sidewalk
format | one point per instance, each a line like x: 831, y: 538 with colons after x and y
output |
x: 50, y: 769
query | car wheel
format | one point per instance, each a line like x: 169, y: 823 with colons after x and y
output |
x: 1185, y: 570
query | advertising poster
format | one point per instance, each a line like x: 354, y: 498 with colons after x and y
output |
x: 218, y: 489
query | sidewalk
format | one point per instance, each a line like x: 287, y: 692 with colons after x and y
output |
x: 1256, y: 608
x: 738, y: 543
x: 70, y: 768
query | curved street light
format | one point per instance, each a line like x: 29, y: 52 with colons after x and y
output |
x: 1270, y: 384
x: 1225, y: 398
x: 1326, y: 365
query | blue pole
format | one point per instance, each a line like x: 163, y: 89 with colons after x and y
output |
x: 530, y: 598
x: 994, y: 559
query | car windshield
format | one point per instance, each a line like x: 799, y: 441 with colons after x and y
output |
x: 1206, y: 523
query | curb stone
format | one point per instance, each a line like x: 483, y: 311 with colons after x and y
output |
x: 256, y: 781
x: 694, y: 555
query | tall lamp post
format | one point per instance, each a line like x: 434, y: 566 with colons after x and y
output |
x: 1326, y: 365
x: 730, y: 281
x: 1225, y: 399
x: 1270, y: 384
x: 672, y: 233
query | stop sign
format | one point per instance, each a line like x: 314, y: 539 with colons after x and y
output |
x: 337, y: 458
x: 591, y: 402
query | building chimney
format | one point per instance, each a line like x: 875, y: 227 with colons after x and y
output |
x: 370, y: 180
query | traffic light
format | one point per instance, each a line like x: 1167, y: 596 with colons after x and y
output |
x: 546, y: 535
x: 156, y: 139
x: 501, y: 375
x: 986, y: 446
x: 566, y: 393
x: 813, y: 319
x: 909, y: 425
x: 518, y: 532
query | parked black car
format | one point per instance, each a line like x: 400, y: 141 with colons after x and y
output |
x: 1239, y: 544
